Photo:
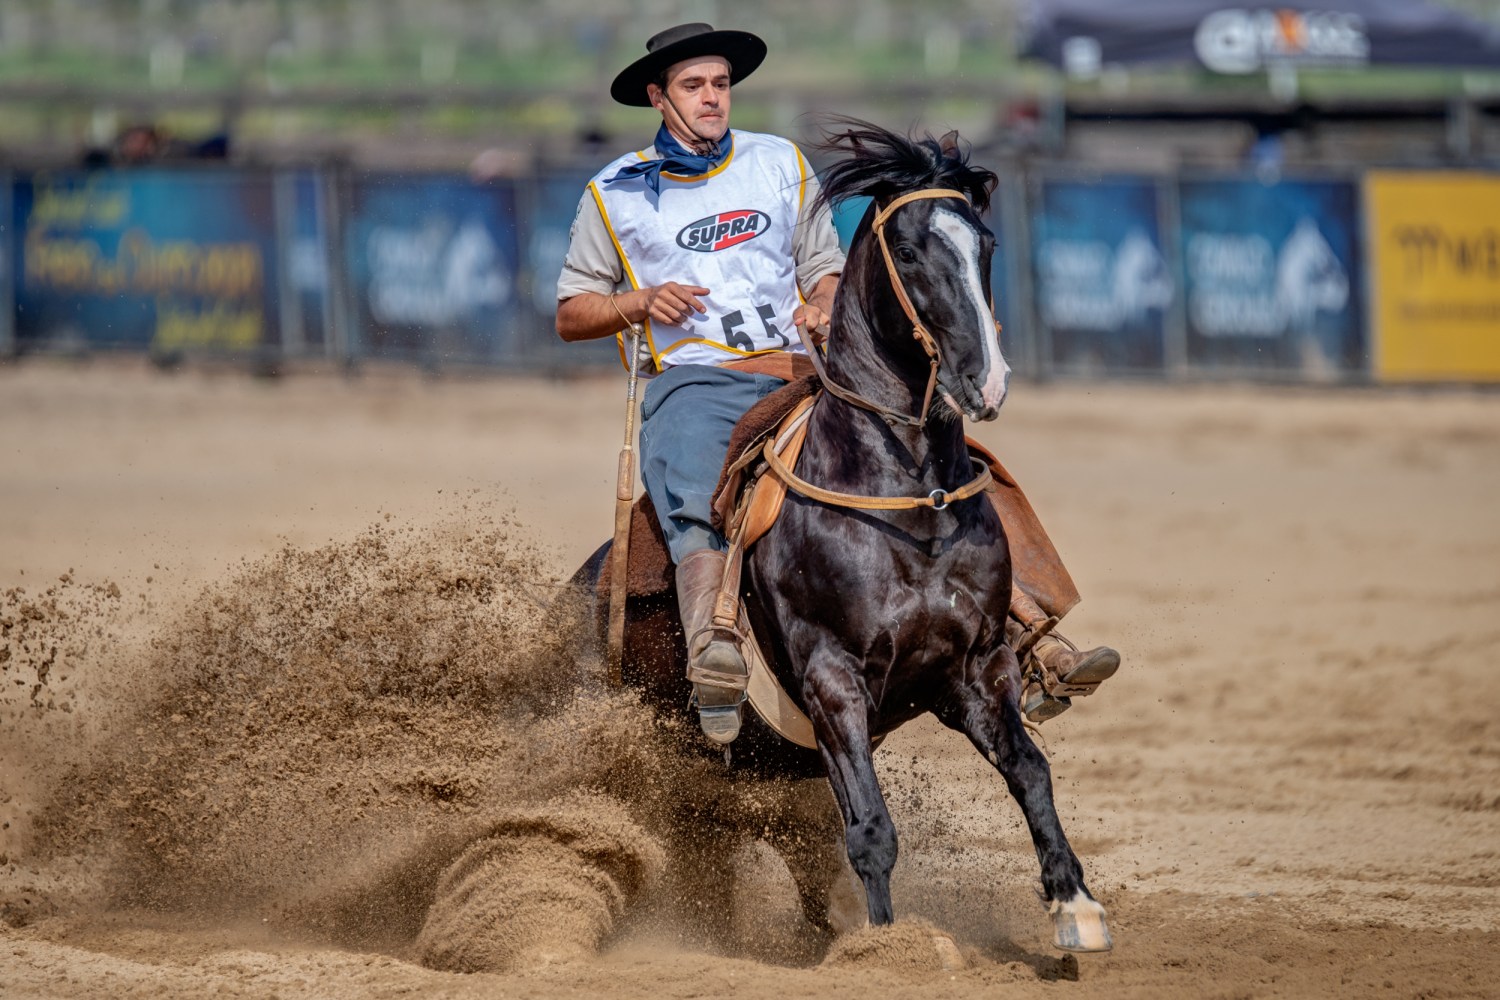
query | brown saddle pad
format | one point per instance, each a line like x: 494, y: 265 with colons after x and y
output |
x: 650, y: 564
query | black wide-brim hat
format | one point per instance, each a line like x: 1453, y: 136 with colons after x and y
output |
x: 743, y: 51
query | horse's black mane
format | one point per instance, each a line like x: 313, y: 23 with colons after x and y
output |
x: 882, y: 164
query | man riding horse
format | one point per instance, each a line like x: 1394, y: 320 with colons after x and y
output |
x: 712, y: 240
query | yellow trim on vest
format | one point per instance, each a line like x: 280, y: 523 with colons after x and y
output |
x: 723, y: 347
x: 802, y: 186
x: 629, y: 274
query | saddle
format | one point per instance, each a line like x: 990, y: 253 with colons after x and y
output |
x: 746, y: 504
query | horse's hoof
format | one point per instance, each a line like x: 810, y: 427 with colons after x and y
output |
x: 1080, y: 925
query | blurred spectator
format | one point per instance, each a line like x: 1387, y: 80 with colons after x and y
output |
x: 137, y: 144
x: 1266, y: 153
x: 143, y: 143
x: 592, y: 141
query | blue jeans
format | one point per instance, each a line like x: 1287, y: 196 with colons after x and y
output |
x: 687, y: 415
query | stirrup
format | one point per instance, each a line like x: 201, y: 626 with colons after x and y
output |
x: 719, y: 695
x: 720, y: 723
x: 1037, y: 704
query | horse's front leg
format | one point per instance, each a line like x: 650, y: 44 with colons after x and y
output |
x: 837, y: 705
x: 980, y: 702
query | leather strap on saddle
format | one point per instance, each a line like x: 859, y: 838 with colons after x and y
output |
x: 757, y: 509
x: 784, y: 365
x: 754, y: 513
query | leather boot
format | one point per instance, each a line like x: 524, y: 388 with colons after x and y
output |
x: 1060, y: 672
x: 715, y: 665
x: 1027, y: 622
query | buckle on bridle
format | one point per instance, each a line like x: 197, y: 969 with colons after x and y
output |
x: 936, y: 496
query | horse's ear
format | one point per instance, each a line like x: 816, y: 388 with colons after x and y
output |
x: 882, y: 194
x: 949, y: 145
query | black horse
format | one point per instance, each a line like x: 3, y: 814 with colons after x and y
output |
x: 874, y: 617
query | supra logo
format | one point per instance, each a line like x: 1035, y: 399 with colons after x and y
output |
x: 722, y: 231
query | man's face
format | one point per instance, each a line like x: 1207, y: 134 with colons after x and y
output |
x: 698, y: 89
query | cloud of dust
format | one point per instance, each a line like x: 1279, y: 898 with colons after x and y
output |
x: 390, y: 743
x: 332, y: 739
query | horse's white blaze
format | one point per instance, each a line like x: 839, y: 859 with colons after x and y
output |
x: 959, y: 235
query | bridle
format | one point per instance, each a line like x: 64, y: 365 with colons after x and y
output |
x: 919, y: 329
x: 937, y: 499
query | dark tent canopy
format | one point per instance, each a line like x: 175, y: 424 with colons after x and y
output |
x: 1082, y: 36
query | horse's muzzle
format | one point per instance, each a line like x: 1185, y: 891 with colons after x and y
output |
x: 976, y: 400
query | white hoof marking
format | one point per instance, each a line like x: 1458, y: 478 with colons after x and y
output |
x: 1080, y: 925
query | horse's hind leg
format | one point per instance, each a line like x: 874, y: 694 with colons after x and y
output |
x: 839, y: 713
x: 983, y: 708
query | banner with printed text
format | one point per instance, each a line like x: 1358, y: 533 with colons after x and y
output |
x: 168, y: 260
x: 1273, y: 276
x: 433, y: 266
x: 1101, y: 282
x: 1435, y: 243
x: 1103, y: 287
x: 551, y: 207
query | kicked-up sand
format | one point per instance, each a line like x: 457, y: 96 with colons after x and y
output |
x: 289, y: 707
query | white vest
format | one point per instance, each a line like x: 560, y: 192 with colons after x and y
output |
x: 730, y: 231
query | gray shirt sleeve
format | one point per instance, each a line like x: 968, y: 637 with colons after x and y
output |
x: 593, y: 264
x: 815, y: 243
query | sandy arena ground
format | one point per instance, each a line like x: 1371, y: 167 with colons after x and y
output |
x: 1292, y: 789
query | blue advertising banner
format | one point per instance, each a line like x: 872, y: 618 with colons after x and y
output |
x: 8, y: 249
x: 1103, y: 286
x: 1273, y: 275
x: 168, y: 260
x: 304, y: 222
x: 553, y: 204
x: 433, y: 268
x: 846, y: 216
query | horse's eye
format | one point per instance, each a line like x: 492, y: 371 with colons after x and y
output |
x: 906, y: 254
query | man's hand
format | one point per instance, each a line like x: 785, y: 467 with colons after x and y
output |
x: 672, y: 303
x: 589, y: 315
x: 814, y: 318
x: 816, y: 312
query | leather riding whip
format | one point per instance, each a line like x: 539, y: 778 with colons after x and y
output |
x: 624, y: 500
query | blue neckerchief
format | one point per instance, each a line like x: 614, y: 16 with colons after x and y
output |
x: 674, y: 159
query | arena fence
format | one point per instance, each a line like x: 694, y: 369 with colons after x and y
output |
x: 1381, y: 276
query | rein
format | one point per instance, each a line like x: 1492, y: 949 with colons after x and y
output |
x: 937, y: 499
x: 919, y: 329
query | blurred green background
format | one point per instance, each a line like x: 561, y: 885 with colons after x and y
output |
x: 432, y: 82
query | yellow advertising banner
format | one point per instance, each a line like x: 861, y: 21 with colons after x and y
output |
x: 1435, y: 280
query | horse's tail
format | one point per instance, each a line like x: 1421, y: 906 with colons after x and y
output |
x: 582, y: 589
x: 587, y: 575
